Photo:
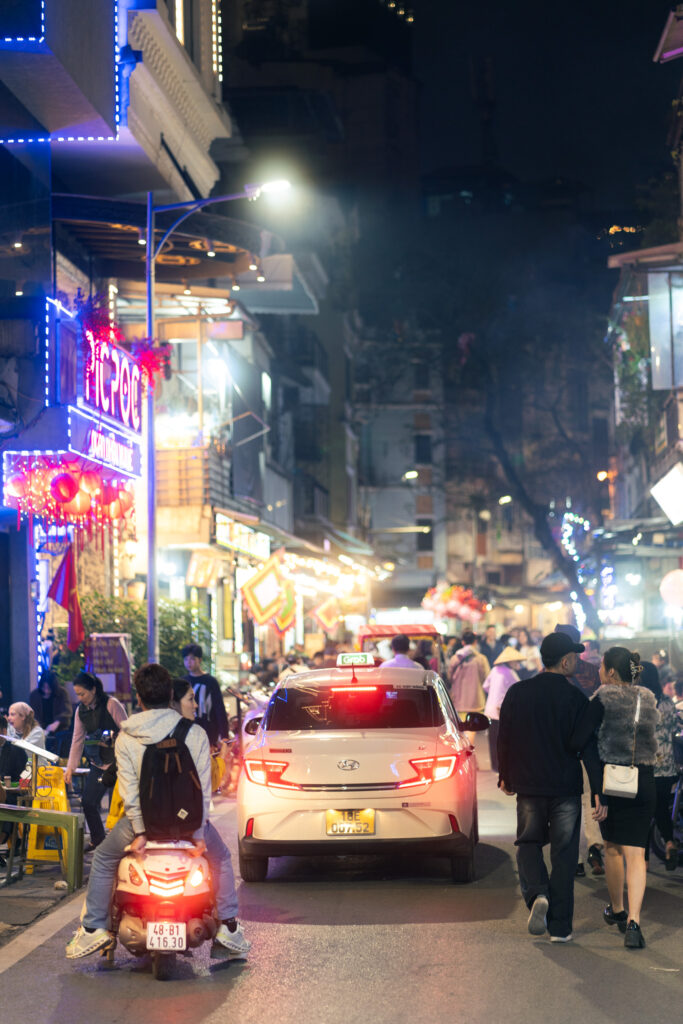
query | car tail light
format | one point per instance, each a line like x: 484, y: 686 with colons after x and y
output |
x: 269, y: 773
x: 435, y: 769
x: 249, y: 831
x: 353, y: 689
x: 454, y: 823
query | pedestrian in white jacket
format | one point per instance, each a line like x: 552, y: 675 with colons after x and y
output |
x: 157, y: 720
x: 497, y: 683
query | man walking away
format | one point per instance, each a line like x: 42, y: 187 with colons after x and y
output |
x: 537, y: 719
x: 469, y: 668
x: 211, y: 713
x: 400, y: 645
x: 491, y: 646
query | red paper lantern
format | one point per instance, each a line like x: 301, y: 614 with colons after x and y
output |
x: 125, y: 499
x: 114, y: 509
x: 64, y: 488
x: 18, y: 485
x: 109, y: 494
x: 91, y: 481
x: 78, y: 506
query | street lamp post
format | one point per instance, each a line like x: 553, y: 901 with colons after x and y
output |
x: 184, y: 210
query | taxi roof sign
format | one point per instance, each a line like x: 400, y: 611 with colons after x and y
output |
x: 355, y: 659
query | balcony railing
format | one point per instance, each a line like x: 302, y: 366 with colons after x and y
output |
x: 193, y: 476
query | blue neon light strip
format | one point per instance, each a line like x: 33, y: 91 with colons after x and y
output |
x: 25, y: 140
x: 30, y: 39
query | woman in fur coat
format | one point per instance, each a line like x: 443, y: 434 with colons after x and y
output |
x: 611, y: 714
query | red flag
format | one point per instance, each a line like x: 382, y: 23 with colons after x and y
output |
x: 63, y: 590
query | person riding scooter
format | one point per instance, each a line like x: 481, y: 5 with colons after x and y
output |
x: 156, y: 723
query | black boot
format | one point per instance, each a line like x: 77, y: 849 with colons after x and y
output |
x: 634, y: 938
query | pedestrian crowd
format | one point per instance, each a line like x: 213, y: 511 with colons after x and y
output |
x: 562, y: 717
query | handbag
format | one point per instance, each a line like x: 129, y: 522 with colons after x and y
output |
x: 622, y: 779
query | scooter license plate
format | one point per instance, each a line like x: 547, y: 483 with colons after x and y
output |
x: 168, y: 935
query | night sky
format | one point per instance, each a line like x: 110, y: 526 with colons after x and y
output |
x: 577, y: 93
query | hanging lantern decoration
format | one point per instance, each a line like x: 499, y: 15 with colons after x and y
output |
x: 125, y: 499
x: 91, y: 482
x: 453, y: 602
x: 63, y: 492
x: 114, y: 509
x: 64, y: 487
x: 18, y: 485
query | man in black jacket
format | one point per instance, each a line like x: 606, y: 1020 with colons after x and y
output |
x: 537, y: 718
x: 211, y: 713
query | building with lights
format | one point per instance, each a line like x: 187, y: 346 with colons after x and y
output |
x: 100, y: 104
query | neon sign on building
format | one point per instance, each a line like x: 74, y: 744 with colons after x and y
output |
x: 110, y: 383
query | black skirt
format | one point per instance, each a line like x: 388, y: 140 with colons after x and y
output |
x: 628, y: 821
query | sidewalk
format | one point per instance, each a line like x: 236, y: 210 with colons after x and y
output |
x: 34, y: 896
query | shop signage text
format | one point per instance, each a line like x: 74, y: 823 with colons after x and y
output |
x: 238, y: 537
x: 104, y: 444
x: 111, y: 383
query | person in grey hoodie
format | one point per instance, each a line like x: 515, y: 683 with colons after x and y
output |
x: 157, y: 720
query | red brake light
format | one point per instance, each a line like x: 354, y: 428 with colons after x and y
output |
x: 353, y: 689
x: 434, y: 769
x: 268, y: 773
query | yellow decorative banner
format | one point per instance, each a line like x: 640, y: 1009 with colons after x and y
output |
x: 264, y: 592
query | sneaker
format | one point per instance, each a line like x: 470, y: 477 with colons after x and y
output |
x: 537, y: 923
x: 84, y: 943
x: 580, y: 870
x: 561, y: 938
x: 234, y: 942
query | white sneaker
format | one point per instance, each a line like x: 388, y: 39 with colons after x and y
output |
x: 561, y: 938
x: 537, y: 923
x: 84, y: 943
x: 234, y: 942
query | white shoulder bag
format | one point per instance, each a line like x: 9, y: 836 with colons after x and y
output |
x: 622, y: 779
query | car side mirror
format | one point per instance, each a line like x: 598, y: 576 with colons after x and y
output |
x: 252, y: 725
x: 475, y: 721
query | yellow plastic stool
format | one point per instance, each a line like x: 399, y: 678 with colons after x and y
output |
x: 48, y: 843
x: 217, y: 771
x: 116, y: 808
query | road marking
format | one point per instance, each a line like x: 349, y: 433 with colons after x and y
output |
x: 40, y: 932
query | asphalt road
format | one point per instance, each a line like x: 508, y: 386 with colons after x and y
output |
x: 354, y: 940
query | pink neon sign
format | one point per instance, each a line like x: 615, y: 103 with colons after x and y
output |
x: 111, y: 382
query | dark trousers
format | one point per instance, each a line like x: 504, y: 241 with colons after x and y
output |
x: 554, y: 820
x: 493, y: 743
x: 93, y: 791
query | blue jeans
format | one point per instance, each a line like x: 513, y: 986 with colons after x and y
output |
x: 554, y: 820
x: 105, y: 865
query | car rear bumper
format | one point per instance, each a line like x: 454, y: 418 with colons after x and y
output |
x: 453, y: 845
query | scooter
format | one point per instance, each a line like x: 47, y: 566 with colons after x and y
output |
x: 163, y: 904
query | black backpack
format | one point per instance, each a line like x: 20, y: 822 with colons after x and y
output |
x: 171, y: 798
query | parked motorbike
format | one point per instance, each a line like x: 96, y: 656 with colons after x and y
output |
x: 163, y: 904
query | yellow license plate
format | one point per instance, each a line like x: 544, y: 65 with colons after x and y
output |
x: 350, y: 823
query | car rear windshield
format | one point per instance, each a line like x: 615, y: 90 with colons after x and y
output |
x: 352, y: 707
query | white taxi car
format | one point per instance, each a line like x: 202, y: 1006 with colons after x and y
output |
x: 359, y: 760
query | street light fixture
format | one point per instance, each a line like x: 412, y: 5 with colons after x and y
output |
x: 184, y: 210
